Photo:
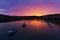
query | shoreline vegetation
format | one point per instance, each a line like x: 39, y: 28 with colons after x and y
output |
x: 52, y: 17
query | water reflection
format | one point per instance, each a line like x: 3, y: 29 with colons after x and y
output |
x: 24, y: 25
x: 49, y: 22
x: 32, y: 30
x: 49, y: 25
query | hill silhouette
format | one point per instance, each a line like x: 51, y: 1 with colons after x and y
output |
x: 53, y: 18
x: 7, y: 18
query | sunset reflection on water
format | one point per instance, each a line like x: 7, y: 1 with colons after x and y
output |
x: 34, y: 30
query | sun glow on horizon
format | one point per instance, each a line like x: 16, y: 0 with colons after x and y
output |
x: 37, y: 14
x: 31, y: 11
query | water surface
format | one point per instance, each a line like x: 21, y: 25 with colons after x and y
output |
x: 34, y: 30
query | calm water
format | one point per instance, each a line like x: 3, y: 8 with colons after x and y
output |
x: 34, y: 30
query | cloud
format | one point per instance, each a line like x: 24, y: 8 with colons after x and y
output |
x: 2, y: 11
x: 6, y: 4
x: 14, y: 6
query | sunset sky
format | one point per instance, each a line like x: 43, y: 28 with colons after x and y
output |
x: 29, y: 7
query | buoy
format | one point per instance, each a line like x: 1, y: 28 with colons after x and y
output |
x: 24, y: 25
